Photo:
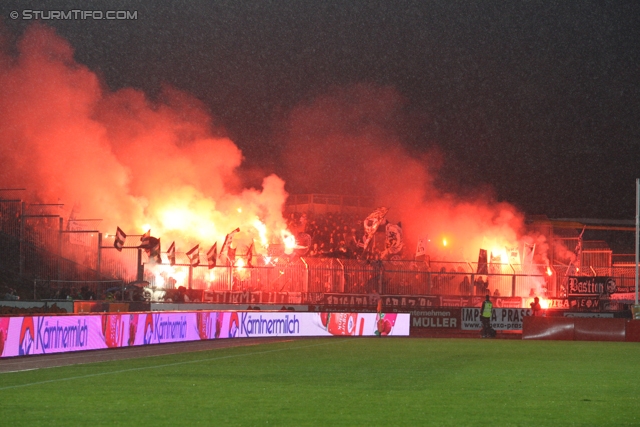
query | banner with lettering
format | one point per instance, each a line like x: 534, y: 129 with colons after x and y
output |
x: 437, y: 318
x: 502, y: 319
x: 30, y: 335
x: 590, y: 293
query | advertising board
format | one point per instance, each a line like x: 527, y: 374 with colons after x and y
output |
x: 502, y: 319
x: 30, y: 335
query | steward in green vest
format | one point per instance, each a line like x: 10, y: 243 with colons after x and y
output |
x: 485, y: 318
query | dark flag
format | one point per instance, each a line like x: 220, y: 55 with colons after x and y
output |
x: 578, y: 252
x: 151, y: 246
x: 528, y: 252
x: 144, y: 240
x: 154, y: 251
x: 194, y: 256
x: 120, y: 238
x: 250, y: 255
x: 226, y: 246
x: 482, y: 262
x: 212, y: 255
x: 171, y: 253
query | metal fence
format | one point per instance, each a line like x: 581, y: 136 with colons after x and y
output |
x: 38, y: 246
x: 332, y: 275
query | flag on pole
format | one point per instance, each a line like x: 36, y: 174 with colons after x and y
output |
x: 154, y: 251
x: 527, y: 253
x: 171, y: 253
x: 482, y: 262
x: 226, y: 246
x: 151, y: 246
x: 194, y: 256
x: 212, y: 255
x: 394, y: 242
x: 514, y: 255
x: 371, y: 224
x: 250, y: 254
x: 120, y: 238
x: 578, y: 251
x: 421, y: 250
x: 495, y: 264
x: 144, y: 239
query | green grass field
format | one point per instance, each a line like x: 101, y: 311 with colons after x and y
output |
x: 342, y: 381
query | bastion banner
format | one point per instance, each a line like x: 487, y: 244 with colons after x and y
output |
x: 30, y: 335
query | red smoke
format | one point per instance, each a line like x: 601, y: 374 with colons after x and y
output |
x: 349, y: 141
x: 140, y: 163
x: 119, y: 156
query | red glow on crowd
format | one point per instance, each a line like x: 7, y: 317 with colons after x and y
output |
x: 160, y: 165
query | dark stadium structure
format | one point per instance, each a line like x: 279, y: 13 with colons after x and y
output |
x: 45, y: 256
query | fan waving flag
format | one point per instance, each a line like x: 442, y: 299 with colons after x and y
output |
x: 154, y: 251
x: 194, y: 256
x: 171, y: 253
x: 151, y: 246
x: 527, y: 254
x: 371, y: 224
x: 212, y: 255
x: 421, y: 250
x: 482, y: 262
x: 144, y: 239
x: 495, y: 264
x: 226, y: 246
x: 120, y: 238
x: 394, y: 239
x: 250, y: 255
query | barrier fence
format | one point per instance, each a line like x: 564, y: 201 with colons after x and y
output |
x: 38, y: 246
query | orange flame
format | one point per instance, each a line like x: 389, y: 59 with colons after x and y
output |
x: 289, y: 241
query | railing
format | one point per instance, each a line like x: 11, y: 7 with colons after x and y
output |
x: 36, y: 246
x: 332, y: 275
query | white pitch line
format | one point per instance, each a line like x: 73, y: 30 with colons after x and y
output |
x: 133, y: 353
x: 79, y: 377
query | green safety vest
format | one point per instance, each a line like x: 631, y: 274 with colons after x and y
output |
x: 487, y: 309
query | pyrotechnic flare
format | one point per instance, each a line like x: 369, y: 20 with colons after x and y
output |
x: 118, y: 243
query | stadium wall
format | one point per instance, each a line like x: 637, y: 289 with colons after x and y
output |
x: 581, y: 329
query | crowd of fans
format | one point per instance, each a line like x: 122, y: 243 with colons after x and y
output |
x: 333, y: 235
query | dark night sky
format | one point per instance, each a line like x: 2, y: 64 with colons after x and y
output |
x: 538, y: 100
